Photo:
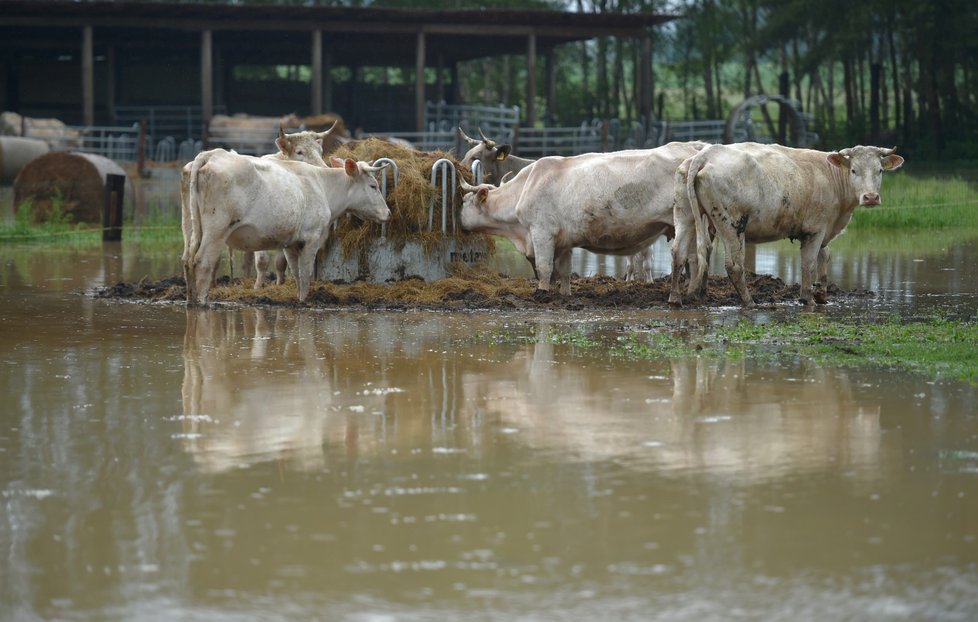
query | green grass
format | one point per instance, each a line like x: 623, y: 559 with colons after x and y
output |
x: 915, y: 203
x: 937, y: 348
x: 159, y: 227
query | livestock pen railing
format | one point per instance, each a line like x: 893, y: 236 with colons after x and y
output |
x: 180, y: 122
x: 119, y: 143
x: 536, y: 142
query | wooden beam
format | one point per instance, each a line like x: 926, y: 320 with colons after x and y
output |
x: 645, y: 80
x: 531, y: 80
x: 327, y: 82
x: 87, y: 77
x: 551, y: 69
x: 316, y: 73
x: 206, y: 76
x: 419, y: 65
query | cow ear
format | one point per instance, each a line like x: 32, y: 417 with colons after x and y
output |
x: 351, y: 167
x: 482, y: 194
x: 283, y: 145
x: 502, y: 152
x: 335, y: 162
x: 892, y: 162
x: 838, y: 159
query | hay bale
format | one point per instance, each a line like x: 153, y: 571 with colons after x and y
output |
x: 408, y: 201
x: 16, y: 152
x: 76, y: 180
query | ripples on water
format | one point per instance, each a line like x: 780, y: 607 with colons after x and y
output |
x: 239, y: 464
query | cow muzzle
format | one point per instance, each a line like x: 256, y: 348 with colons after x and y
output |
x: 870, y: 199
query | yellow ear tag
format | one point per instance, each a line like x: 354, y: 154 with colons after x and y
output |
x: 501, y: 156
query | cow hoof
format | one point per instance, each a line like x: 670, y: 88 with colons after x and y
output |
x: 542, y: 295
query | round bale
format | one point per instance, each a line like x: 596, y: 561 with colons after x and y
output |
x: 16, y: 152
x: 76, y: 180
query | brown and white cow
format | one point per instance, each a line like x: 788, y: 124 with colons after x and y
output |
x: 754, y: 193
x: 611, y: 203
x: 301, y: 146
x: 254, y: 204
x: 496, y: 159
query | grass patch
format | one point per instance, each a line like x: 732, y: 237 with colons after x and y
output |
x: 937, y: 348
x: 56, y: 228
x: 921, y: 203
x: 160, y: 226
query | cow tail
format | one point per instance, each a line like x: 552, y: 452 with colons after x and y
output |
x: 699, y: 216
x: 193, y: 208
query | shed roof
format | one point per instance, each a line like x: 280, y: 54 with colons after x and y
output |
x: 355, y: 35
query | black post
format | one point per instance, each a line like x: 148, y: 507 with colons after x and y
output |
x: 115, y: 193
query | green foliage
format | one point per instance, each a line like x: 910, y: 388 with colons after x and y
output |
x: 56, y: 228
x: 914, y: 203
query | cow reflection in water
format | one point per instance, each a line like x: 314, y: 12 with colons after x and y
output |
x: 263, y: 385
x: 253, y: 390
x: 684, y: 414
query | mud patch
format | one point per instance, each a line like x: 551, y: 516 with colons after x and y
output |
x: 472, y: 291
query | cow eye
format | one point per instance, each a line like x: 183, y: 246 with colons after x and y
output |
x: 853, y: 171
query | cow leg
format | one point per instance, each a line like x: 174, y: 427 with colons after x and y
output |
x: 543, y: 250
x: 281, y: 263
x: 205, y: 264
x: 292, y: 258
x: 562, y: 268
x: 306, y: 262
x: 821, y: 289
x: 682, y: 244
x: 733, y: 244
x: 250, y: 258
x: 823, y: 265
x: 261, y: 267
x: 810, y: 247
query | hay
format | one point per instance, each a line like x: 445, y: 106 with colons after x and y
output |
x: 409, y: 200
x: 75, y: 180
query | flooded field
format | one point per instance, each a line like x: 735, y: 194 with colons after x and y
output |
x: 159, y: 463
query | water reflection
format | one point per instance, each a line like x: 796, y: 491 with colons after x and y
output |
x: 261, y: 385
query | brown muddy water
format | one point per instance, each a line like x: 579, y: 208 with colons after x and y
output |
x: 275, y: 464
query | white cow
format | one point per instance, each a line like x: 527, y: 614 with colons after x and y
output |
x: 611, y: 203
x: 255, y: 204
x: 497, y: 162
x: 302, y: 146
x: 751, y: 192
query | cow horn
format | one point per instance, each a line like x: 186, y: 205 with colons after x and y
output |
x: 464, y: 186
x: 326, y: 133
x: 885, y: 152
x: 489, y: 142
x: 367, y: 168
x: 506, y: 177
x: 281, y: 131
x: 469, y: 139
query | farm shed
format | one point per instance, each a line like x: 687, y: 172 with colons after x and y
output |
x: 94, y: 62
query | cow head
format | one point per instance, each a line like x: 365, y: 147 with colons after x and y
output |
x: 474, y: 205
x: 486, y: 151
x: 302, y: 146
x: 865, y: 167
x: 366, y: 200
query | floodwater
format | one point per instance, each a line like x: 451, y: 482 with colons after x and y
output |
x: 260, y: 464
